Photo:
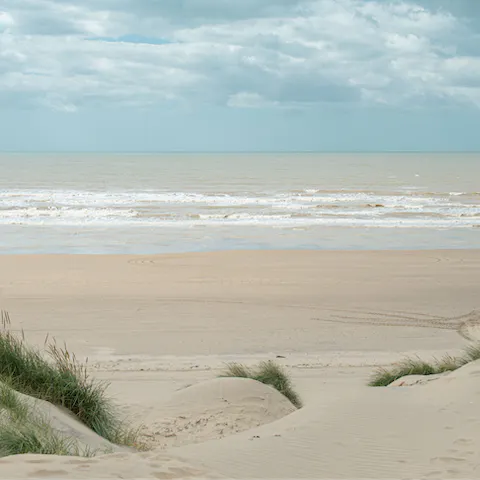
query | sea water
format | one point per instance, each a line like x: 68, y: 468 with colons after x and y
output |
x: 156, y: 203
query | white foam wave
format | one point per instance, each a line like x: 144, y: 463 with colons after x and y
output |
x: 132, y: 219
x: 75, y: 198
x: 18, y: 198
x: 64, y: 213
x: 302, y: 208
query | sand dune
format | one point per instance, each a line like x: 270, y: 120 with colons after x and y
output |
x: 214, y: 409
x: 160, y: 328
x: 428, y: 430
x: 424, y: 431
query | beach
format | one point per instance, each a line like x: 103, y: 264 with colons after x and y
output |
x: 160, y: 271
x: 239, y: 239
x: 153, y: 325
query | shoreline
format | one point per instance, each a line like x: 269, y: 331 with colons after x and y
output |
x: 245, y: 250
x: 143, y: 241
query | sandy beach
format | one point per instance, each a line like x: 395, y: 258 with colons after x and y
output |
x: 239, y: 239
x: 154, y: 325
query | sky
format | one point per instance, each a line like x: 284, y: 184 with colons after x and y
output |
x: 239, y: 75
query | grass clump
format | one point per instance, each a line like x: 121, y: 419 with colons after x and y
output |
x: 268, y: 373
x: 449, y: 364
x: 34, y: 438
x: 472, y: 353
x: 61, y: 380
x: 410, y: 366
x: 415, y: 366
x: 10, y: 405
x: 22, y: 430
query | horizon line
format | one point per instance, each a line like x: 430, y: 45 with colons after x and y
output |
x: 197, y: 152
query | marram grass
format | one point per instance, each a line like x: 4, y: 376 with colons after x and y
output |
x: 268, y: 373
x: 61, y: 380
x: 383, y: 377
x: 24, y: 430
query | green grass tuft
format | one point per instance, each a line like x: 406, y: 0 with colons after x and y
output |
x: 22, y: 430
x: 383, y: 377
x: 472, y: 353
x: 410, y: 366
x: 268, y: 373
x: 21, y: 438
x: 448, y: 364
x: 62, y: 381
x: 238, y: 370
x: 11, y: 405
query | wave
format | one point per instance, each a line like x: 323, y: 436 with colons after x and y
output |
x: 309, y: 207
x: 132, y: 218
x: 19, y: 198
x: 63, y: 213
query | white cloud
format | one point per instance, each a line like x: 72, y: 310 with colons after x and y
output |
x: 244, y: 54
x: 6, y: 20
x: 248, y: 100
x: 58, y: 102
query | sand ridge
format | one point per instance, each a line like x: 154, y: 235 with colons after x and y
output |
x: 214, y: 409
x: 421, y: 431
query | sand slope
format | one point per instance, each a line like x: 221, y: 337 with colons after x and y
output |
x: 152, y: 325
x: 428, y: 430
x: 214, y: 409
x: 65, y: 424
x: 205, y: 411
x: 422, y: 431
x: 118, y: 465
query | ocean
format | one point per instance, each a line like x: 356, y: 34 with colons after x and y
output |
x: 159, y: 203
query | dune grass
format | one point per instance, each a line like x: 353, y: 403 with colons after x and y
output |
x: 448, y: 363
x: 62, y: 380
x: 410, y: 366
x: 383, y: 377
x: 472, y: 353
x: 34, y: 437
x: 268, y: 373
x: 22, y: 430
x: 11, y: 405
x: 18, y: 439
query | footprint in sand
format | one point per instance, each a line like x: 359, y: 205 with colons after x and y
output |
x: 463, y: 441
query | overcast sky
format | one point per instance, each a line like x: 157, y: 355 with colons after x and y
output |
x: 229, y: 75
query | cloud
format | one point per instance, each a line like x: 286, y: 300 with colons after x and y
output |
x: 6, y: 20
x: 248, y: 100
x: 275, y: 53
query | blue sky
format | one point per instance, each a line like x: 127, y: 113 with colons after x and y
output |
x: 239, y: 75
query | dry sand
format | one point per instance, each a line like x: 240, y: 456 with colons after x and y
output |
x: 154, y: 325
